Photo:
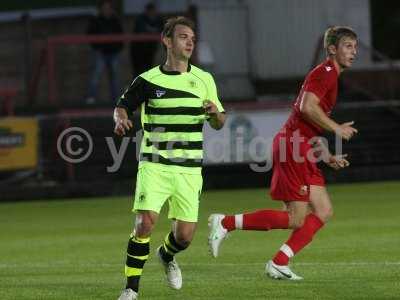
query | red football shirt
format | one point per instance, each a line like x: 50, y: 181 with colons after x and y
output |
x: 323, y: 82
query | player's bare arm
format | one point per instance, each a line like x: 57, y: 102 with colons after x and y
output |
x: 217, y: 119
x: 313, y: 112
x: 122, y: 122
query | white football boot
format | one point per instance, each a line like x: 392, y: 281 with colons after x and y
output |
x: 172, y: 271
x: 280, y: 272
x: 128, y: 294
x: 217, y: 233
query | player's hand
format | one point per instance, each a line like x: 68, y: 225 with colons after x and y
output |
x: 346, y: 130
x: 338, y: 162
x: 122, y: 126
x: 210, y: 108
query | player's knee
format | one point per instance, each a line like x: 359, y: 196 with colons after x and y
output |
x: 325, y: 214
x: 143, y: 231
x: 296, y: 221
x: 183, y: 240
x: 144, y: 226
x: 297, y: 214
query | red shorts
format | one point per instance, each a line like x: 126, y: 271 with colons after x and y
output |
x: 292, y: 172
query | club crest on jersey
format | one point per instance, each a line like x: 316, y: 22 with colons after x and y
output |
x: 160, y: 93
x: 142, y: 197
x: 303, y: 190
x: 328, y: 68
x: 192, y: 83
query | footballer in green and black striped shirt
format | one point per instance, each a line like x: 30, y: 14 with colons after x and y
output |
x: 175, y: 98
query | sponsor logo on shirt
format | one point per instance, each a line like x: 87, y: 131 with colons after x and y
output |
x: 160, y: 93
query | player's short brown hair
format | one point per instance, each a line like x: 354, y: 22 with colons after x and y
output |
x: 334, y: 34
x: 169, y: 26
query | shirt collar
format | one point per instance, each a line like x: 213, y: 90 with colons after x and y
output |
x: 173, y: 72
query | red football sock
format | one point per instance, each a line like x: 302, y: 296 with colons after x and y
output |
x: 259, y: 220
x: 266, y: 220
x: 300, y: 238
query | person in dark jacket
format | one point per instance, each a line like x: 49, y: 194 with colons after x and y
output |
x: 105, y: 55
x: 142, y: 53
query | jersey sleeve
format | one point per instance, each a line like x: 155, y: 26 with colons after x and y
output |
x: 212, y: 94
x: 319, y: 83
x: 134, y: 96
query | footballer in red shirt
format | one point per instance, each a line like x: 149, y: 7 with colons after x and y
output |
x: 296, y: 178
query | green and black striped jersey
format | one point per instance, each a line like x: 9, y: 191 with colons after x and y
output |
x: 172, y: 116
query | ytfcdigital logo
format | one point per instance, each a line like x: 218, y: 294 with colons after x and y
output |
x: 64, y: 145
x: 75, y: 145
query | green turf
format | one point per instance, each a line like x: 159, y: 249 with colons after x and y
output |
x: 76, y: 250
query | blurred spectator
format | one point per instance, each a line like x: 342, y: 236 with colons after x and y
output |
x: 104, y: 55
x: 142, y: 53
x: 191, y: 13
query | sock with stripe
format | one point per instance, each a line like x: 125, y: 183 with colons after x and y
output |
x: 170, y: 248
x: 261, y: 220
x: 299, y: 238
x: 137, y: 255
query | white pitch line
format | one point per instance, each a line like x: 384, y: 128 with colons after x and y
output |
x: 216, y: 264
x: 383, y: 263
x: 394, y: 263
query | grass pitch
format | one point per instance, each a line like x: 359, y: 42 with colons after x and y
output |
x: 76, y: 250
